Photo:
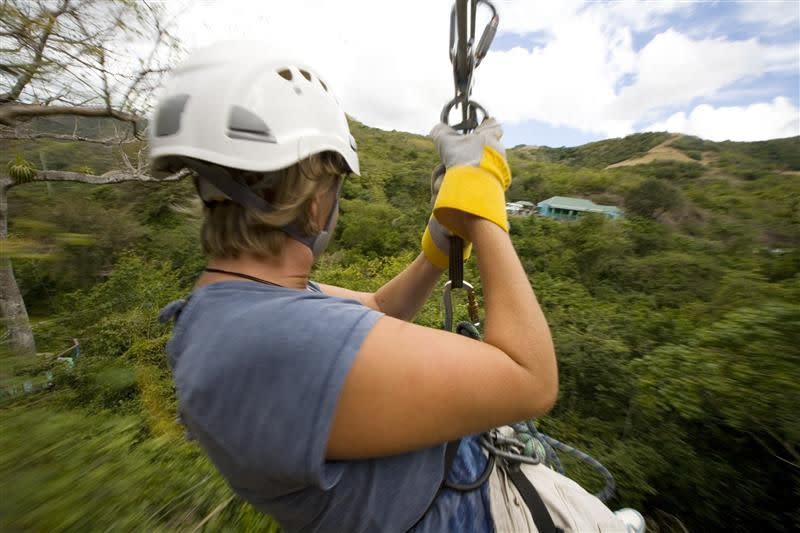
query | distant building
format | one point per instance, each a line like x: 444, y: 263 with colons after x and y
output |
x: 562, y: 207
x: 522, y: 208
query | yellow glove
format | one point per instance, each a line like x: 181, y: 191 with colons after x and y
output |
x: 436, y: 239
x: 477, y: 173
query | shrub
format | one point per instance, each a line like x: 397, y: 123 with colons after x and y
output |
x: 670, y: 170
x: 653, y: 197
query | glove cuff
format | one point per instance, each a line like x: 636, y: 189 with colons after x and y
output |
x: 438, y: 257
x: 473, y: 190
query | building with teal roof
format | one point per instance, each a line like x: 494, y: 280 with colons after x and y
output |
x: 563, y: 207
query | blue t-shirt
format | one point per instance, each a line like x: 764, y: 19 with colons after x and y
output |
x: 258, y: 371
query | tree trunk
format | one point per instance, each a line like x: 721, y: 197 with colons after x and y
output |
x: 13, y: 314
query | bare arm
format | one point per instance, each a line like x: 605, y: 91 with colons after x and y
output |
x: 412, y: 386
x: 403, y: 296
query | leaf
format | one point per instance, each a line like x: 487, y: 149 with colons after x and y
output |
x: 21, y: 170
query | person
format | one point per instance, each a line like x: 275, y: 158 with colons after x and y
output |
x: 323, y: 406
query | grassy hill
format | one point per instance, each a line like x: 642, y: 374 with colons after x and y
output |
x: 676, y: 328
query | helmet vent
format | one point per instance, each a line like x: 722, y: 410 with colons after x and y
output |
x: 246, y: 125
x: 325, y: 87
x: 168, y: 119
x: 305, y: 74
x: 285, y: 74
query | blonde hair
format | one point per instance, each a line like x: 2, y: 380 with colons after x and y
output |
x: 230, y: 230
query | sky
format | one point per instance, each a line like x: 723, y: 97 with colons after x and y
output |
x: 560, y: 73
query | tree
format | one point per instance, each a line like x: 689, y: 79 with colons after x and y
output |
x: 68, y: 60
x: 732, y: 387
x: 653, y: 198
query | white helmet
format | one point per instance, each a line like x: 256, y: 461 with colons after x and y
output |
x: 239, y: 106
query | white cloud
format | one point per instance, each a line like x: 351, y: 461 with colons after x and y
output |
x: 755, y: 122
x: 568, y: 82
x: 642, y: 16
x: 526, y: 17
x: 389, y: 65
x: 774, y: 13
x: 674, y: 69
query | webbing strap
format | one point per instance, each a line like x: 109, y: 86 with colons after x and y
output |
x: 450, y: 453
x: 245, y: 197
x: 449, y: 456
x: 541, y: 516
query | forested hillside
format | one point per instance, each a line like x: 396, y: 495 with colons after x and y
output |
x: 677, y: 327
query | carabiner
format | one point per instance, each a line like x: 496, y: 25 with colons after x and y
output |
x: 472, y: 114
x: 464, y: 65
x: 488, y: 34
x: 447, y: 300
x: 465, y: 58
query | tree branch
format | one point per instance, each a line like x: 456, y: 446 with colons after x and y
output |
x: 25, y: 78
x: 786, y: 445
x: 111, y: 141
x: 772, y: 453
x: 147, y: 64
x: 115, y: 176
x: 675, y: 518
x: 9, y: 114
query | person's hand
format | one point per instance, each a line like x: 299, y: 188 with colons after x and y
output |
x: 476, y: 177
x: 436, y: 239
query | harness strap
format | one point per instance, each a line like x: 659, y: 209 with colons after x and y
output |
x: 541, y: 516
x: 449, y: 456
x: 450, y: 453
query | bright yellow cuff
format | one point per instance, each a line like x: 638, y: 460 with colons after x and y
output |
x: 438, y: 257
x: 479, y: 191
x: 475, y: 191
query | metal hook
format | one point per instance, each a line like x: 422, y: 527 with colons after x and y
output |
x: 465, y: 57
x: 447, y: 300
x: 472, y: 114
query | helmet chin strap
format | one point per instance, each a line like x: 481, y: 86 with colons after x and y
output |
x: 221, y: 179
x: 319, y: 242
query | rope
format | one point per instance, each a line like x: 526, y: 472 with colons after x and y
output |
x: 468, y: 330
x: 530, y: 446
x: 527, y: 433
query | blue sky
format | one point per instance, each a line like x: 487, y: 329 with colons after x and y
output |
x: 560, y: 72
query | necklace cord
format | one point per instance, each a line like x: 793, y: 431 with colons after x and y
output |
x: 241, y: 275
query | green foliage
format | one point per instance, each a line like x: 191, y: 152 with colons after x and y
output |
x: 781, y: 154
x: 85, y: 169
x: 739, y: 380
x: 750, y: 349
x: 653, y: 197
x: 101, y: 383
x: 65, y: 155
x: 20, y: 170
x: 742, y: 165
x: 671, y: 170
x: 675, y: 327
x: 689, y: 143
x: 113, y: 315
x: 81, y: 471
x: 366, y: 228
x: 604, y: 153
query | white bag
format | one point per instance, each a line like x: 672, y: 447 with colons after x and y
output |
x: 571, y: 507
